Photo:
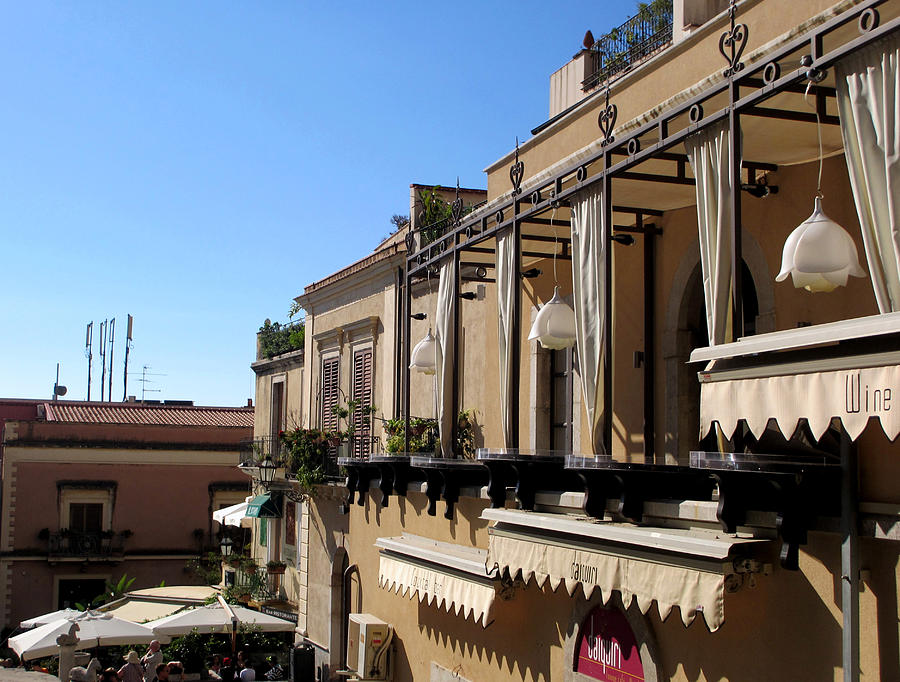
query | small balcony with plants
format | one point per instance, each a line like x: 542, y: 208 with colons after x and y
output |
x: 276, y: 338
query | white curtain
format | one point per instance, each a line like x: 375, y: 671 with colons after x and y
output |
x: 868, y: 94
x: 444, y: 335
x: 709, y: 152
x: 507, y: 289
x: 590, y: 239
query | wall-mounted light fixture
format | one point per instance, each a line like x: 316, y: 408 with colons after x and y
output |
x: 623, y: 239
x: 225, y: 545
x: 419, y: 316
x: 267, y: 471
x: 531, y: 273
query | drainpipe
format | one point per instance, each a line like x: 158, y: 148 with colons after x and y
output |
x: 849, y: 559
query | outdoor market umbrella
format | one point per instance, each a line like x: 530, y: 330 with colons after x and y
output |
x: 49, y: 618
x: 94, y: 629
x: 215, y: 618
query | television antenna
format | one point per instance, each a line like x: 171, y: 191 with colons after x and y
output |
x: 144, y: 381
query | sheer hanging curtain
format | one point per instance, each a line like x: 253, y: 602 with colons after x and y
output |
x: 867, y: 92
x: 506, y: 290
x: 709, y: 154
x: 444, y: 335
x: 590, y: 239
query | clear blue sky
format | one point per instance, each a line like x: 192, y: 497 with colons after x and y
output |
x: 196, y: 164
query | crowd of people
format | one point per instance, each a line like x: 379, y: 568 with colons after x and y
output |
x: 151, y: 668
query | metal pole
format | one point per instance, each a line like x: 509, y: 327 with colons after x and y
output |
x: 112, y: 353
x: 88, y: 351
x: 734, y: 131
x: 608, y: 323
x: 849, y: 559
x: 649, y: 339
x: 456, y: 336
x: 516, y: 350
x: 103, y: 360
x: 407, y: 297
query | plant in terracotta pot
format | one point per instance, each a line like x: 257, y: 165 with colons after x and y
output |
x: 248, y: 565
x: 276, y: 567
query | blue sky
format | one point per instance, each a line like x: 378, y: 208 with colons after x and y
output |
x: 196, y: 164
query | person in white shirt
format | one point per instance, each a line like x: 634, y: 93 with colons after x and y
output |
x: 248, y: 674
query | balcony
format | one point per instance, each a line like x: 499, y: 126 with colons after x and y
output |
x: 86, y: 545
x: 321, y: 456
x: 626, y: 46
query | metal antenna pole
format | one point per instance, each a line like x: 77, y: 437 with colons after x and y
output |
x: 103, y: 359
x: 112, y: 354
x: 128, y: 344
x: 88, y: 352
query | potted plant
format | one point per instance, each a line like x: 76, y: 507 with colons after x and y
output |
x: 276, y: 567
x: 248, y: 565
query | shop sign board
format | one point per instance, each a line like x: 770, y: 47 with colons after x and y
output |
x: 607, y: 649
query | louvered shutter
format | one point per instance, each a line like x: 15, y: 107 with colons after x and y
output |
x: 330, y: 389
x: 362, y: 393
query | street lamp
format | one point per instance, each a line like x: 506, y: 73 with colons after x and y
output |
x: 225, y: 546
x: 267, y: 471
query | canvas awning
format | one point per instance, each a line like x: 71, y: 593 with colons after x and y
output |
x: 141, y: 606
x: 848, y: 370
x: 235, y: 515
x: 448, y: 576
x: 669, y: 566
x: 267, y: 506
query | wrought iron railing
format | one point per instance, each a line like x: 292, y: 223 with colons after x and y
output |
x: 427, y: 234
x: 623, y: 48
x: 254, y: 452
x: 99, y: 544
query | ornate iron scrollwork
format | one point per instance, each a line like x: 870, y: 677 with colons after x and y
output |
x: 517, y: 172
x: 456, y: 206
x: 607, y: 121
x: 732, y: 43
x: 410, y: 242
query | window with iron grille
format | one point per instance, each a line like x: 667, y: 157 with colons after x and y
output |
x: 331, y: 383
x: 362, y: 394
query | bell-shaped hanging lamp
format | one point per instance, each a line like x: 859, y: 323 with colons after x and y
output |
x: 423, y: 358
x: 554, y: 325
x: 819, y: 254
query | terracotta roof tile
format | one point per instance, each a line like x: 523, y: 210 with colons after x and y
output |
x: 78, y: 412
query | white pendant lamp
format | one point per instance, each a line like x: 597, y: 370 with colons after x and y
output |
x: 554, y: 325
x: 424, y: 354
x: 819, y: 254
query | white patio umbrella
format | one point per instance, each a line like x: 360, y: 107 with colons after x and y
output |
x: 215, y: 618
x: 94, y: 629
x: 49, y: 618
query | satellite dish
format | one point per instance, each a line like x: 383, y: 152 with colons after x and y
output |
x: 60, y: 390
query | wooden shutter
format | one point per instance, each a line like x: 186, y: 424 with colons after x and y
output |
x: 331, y: 378
x: 362, y: 393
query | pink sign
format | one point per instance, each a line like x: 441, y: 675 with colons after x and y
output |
x: 607, y: 648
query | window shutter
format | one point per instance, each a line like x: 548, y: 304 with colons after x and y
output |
x: 362, y: 393
x: 330, y: 389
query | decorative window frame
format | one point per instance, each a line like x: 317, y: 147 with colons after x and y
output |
x: 85, y: 492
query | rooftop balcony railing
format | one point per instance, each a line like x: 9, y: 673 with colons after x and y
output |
x: 626, y: 46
